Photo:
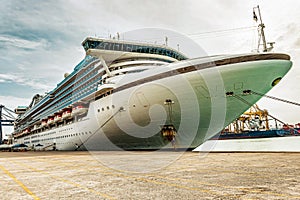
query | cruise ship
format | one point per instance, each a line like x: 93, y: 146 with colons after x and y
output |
x: 131, y: 95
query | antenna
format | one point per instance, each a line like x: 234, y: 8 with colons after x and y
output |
x: 261, y: 32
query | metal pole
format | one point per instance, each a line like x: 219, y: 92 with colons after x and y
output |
x: 262, y: 26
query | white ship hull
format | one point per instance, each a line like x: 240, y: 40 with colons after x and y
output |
x: 132, y: 117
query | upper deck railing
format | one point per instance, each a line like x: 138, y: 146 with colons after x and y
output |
x: 124, y: 46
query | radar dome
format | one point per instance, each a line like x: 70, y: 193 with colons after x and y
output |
x: 66, y: 75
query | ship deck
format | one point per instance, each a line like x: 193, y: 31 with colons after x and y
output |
x: 144, y: 175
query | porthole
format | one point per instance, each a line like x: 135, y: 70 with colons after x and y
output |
x: 107, y: 107
x: 102, y: 109
x: 113, y: 106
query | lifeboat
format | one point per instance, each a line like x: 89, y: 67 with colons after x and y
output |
x: 58, y: 117
x: 50, y: 120
x: 79, y: 110
x: 26, y: 131
x: 16, y: 135
x: 44, y: 123
x: 36, y: 126
x: 67, y: 114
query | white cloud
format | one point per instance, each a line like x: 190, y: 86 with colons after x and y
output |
x: 7, y: 77
x: 24, y: 80
x: 12, y: 102
x: 22, y: 43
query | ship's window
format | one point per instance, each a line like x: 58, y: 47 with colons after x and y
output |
x: 151, y: 50
x: 100, y: 46
x: 117, y: 47
x: 121, y: 47
x: 107, y: 107
x: 163, y: 52
x: 144, y: 50
x: 109, y: 46
x: 86, y: 46
x: 102, y: 109
x: 92, y: 44
x: 105, y: 46
x: 134, y: 48
x: 160, y: 51
x: 98, y: 110
x: 129, y: 47
x: 168, y: 53
x: 113, y: 106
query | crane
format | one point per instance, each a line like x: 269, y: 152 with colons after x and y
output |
x: 7, y: 118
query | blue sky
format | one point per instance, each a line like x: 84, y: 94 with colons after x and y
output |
x: 41, y: 40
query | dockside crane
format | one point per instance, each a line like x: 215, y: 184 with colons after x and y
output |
x: 7, y: 118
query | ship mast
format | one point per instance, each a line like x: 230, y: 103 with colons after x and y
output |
x: 261, y: 32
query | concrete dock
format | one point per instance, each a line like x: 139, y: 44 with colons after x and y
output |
x: 149, y: 175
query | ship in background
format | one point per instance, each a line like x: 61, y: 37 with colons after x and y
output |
x: 255, y: 131
x: 255, y: 123
x: 132, y: 95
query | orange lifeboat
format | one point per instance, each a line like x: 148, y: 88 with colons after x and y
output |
x: 79, y: 110
x: 67, y: 114
x: 26, y: 131
x: 16, y: 135
x: 50, y: 120
x: 44, y: 123
x: 36, y: 126
x: 58, y: 117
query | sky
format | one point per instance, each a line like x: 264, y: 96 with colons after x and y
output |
x: 41, y: 40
